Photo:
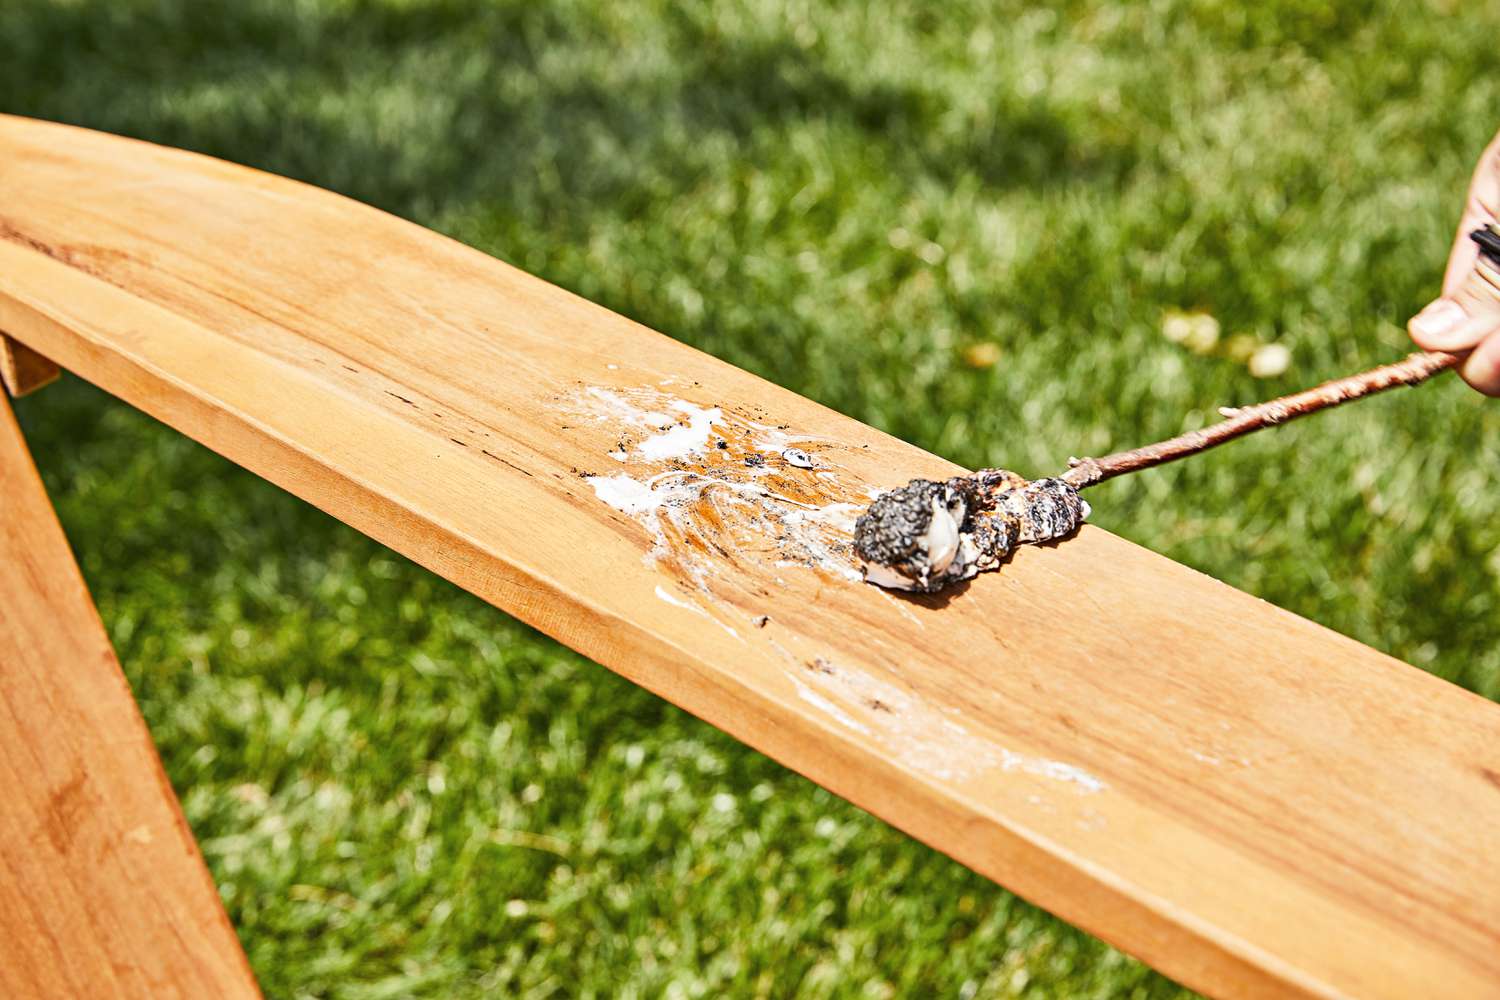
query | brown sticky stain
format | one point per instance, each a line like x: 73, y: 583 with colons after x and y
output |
x: 708, y: 514
x: 65, y: 808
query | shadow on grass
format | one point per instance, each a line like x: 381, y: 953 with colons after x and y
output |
x: 280, y: 88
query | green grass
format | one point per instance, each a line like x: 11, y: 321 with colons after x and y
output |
x: 402, y: 792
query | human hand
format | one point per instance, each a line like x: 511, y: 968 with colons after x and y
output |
x: 1466, y: 319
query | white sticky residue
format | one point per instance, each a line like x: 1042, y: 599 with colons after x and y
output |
x: 629, y: 496
x: 667, y: 506
x: 728, y: 505
x: 695, y: 473
x: 822, y: 704
x: 1054, y: 769
x: 816, y: 528
x: 607, y: 403
x: 685, y: 438
x: 666, y: 595
x: 775, y: 441
x: 677, y: 436
x: 709, y: 488
x: 923, y: 738
x: 901, y: 609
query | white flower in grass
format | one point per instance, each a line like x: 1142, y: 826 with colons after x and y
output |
x: 1270, y: 360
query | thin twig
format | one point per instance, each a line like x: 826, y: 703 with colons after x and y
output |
x: 1413, y: 370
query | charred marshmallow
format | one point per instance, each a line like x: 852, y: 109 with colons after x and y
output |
x: 928, y: 535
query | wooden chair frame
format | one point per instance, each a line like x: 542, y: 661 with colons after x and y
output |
x: 1245, y: 800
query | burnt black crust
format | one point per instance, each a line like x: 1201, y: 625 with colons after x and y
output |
x: 1046, y: 508
x: 887, y: 534
x: 995, y: 509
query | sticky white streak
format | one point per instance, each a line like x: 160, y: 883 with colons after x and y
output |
x: 665, y: 595
x: 935, y: 745
x: 822, y: 704
x: 684, y: 439
x: 1054, y: 769
x: 667, y: 502
x: 629, y: 496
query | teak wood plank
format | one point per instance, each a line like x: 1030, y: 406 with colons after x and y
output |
x: 102, y: 890
x: 1248, y: 801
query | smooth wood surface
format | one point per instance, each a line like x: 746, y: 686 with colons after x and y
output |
x: 1249, y: 802
x: 102, y: 890
x: 23, y: 370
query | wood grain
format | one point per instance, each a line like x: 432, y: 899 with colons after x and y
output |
x: 23, y: 370
x: 102, y: 890
x: 1247, y: 801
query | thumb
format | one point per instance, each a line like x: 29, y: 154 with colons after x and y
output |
x: 1445, y: 325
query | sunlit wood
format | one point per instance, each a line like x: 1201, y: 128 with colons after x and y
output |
x: 1244, y: 799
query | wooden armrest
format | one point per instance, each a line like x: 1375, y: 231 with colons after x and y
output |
x: 1244, y: 799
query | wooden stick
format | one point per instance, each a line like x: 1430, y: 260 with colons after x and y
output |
x: 1413, y: 370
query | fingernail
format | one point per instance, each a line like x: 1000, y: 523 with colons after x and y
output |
x: 1441, y: 317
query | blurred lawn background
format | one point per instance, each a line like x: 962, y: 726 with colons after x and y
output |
x: 1005, y: 234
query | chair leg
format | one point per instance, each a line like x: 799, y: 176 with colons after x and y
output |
x: 103, y: 891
